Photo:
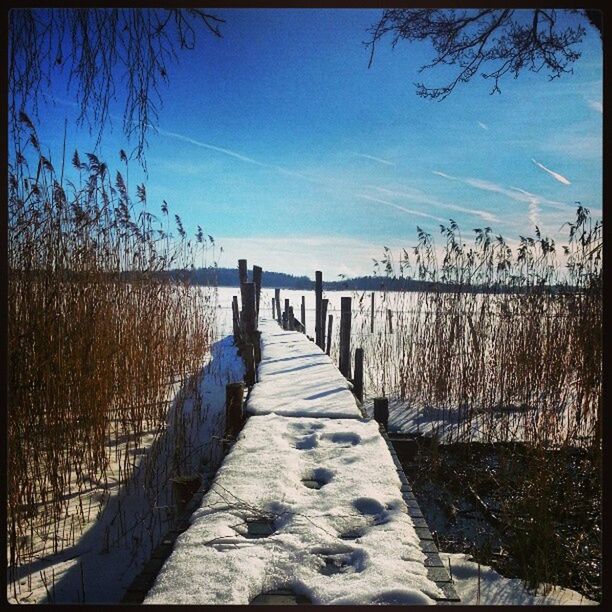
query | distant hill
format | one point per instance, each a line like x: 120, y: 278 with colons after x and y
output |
x: 228, y: 277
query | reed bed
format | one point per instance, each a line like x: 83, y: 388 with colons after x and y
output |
x: 98, y: 338
x: 505, y: 344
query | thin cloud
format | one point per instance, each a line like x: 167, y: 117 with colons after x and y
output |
x: 234, y: 154
x: 420, y: 196
x: 376, y: 159
x: 483, y: 125
x: 555, y: 175
x: 398, y: 207
x: 514, y: 193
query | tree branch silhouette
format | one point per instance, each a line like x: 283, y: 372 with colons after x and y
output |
x: 494, y: 42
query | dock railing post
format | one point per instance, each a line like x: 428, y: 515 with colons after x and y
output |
x: 291, y: 319
x: 273, y: 315
x: 248, y: 354
x: 358, y: 377
x: 324, y: 303
x: 330, y: 324
x: 234, y: 415
x: 236, y: 320
x: 390, y: 317
x: 304, y: 312
x: 318, y: 298
x: 278, y: 308
x: 286, y: 315
x: 345, y: 337
x: 381, y: 411
x: 257, y: 273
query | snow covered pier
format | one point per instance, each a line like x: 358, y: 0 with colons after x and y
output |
x: 309, y: 506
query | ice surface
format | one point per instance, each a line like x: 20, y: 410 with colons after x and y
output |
x: 350, y: 541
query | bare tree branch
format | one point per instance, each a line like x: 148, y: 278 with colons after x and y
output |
x: 104, y: 52
x: 501, y: 40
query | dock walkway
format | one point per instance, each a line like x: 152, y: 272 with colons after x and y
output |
x: 309, y: 506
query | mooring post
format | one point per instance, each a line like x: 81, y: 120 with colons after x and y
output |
x: 248, y: 354
x: 235, y: 319
x: 278, y: 308
x: 291, y: 319
x: 257, y: 273
x: 358, y: 377
x: 234, y: 415
x: 273, y: 308
x: 381, y: 411
x: 286, y: 316
x: 372, y: 315
x: 345, y: 337
x: 248, y: 311
x: 324, y: 303
x: 330, y: 324
x: 304, y: 312
x: 318, y: 298
x: 390, y: 317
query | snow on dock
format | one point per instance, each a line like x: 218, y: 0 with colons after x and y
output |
x: 308, y: 501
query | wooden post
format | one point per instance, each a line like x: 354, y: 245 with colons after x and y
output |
x: 248, y: 311
x: 278, y: 310
x: 381, y: 411
x: 257, y: 346
x: 257, y: 272
x: 390, y: 317
x: 243, y: 277
x: 345, y: 337
x: 318, y: 298
x: 372, y: 315
x: 358, y: 378
x: 236, y: 319
x: 234, y: 416
x: 304, y: 312
x: 286, y: 317
x: 291, y: 319
x: 273, y: 315
x: 324, y: 304
x: 330, y: 324
x: 248, y: 354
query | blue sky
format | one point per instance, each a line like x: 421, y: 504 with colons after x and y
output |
x: 280, y: 142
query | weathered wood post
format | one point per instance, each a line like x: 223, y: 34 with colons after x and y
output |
x: 248, y: 354
x: 278, y: 308
x: 324, y: 303
x: 248, y: 311
x: 234, y: 415
x: 358, y: 377
x: 381, y: 411
x: 243, y: 277
x: 372, y: 315
x: 330, y: 324
x: 235, y: 319
x: 318, y: 298
x: 273, y: 308
x: 291, y: 319
x: 304, y: 312
x: 257, y: 273
x: 286, y: 316
x: 390, y: 317
x: 345, y: 337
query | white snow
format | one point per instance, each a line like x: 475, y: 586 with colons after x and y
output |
x: 215, y: 562
x: 296, y: 378
x: 497, y: 590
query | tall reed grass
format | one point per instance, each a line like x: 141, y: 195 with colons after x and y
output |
x: 96, y: 336
x: 504, y: 343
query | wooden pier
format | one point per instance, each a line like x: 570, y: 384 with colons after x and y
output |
x: 311, y: 504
